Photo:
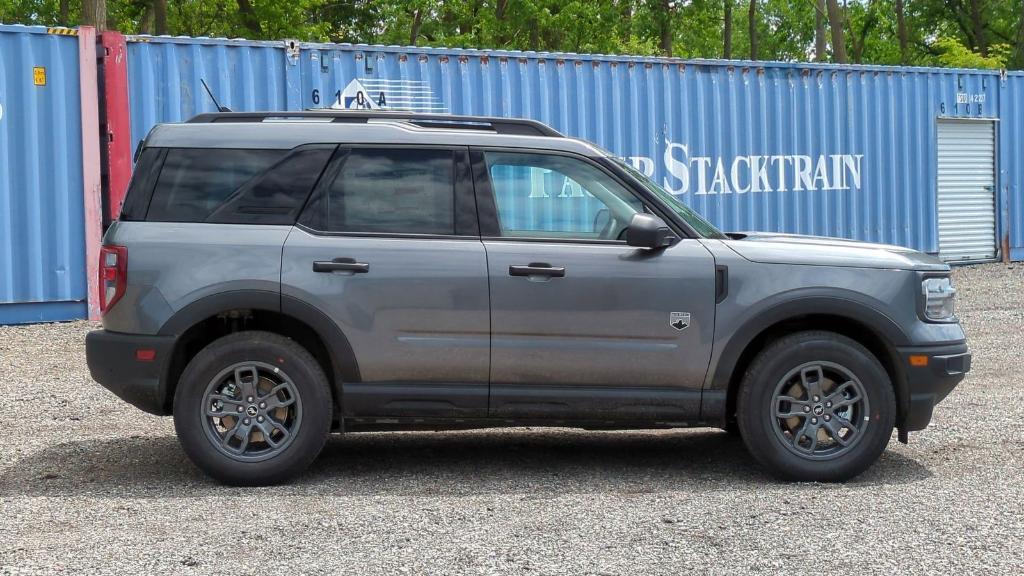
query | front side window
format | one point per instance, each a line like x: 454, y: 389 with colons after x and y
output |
x: 704, y: 228
x: 552, y: 196
x: 393, y: 191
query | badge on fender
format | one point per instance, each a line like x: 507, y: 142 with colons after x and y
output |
x: 679, y: 320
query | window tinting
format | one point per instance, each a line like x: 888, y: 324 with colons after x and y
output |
x: 552, y: 196
x: 276, y: 196
x: 195, y: 181
x: 392, y: 191
x: 136, y: 200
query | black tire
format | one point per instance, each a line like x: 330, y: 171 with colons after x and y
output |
x: 778, y: 444
x: 313, y: 403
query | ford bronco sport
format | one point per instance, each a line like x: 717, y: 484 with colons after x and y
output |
x: 275, y: 277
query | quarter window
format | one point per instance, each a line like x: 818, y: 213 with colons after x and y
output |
x: 276, y: 196
x: 195, y: 181
x: 551, y: 196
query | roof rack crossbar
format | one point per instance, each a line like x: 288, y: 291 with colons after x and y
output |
x: 517, y: 126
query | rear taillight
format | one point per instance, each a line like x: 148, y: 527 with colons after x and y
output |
x: 113, y: 275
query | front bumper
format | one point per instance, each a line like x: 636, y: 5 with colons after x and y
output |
x: 927, y: 385
x: 113, y: 362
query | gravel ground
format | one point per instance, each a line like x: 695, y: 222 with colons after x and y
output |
x: 89, y: 484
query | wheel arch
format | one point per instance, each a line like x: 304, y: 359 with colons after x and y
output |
x: 864, y: 324
x: 199, y: 323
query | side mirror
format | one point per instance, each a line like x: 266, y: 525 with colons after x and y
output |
x: 648, y: 231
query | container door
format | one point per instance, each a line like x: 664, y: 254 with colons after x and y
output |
x: 966, y: 190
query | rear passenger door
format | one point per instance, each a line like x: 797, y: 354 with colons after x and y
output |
x: 388, y: 247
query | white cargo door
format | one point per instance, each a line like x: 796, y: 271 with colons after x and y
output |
x: 966, y: 188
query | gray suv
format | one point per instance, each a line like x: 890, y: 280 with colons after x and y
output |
x: 275, y: 277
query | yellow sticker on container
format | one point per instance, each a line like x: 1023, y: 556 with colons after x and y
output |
x: 39, y: 76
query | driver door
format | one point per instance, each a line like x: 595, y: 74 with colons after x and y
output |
x: 581, y: 323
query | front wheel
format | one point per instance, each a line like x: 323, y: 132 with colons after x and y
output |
x: 252, y: 408
x: 816, y: 406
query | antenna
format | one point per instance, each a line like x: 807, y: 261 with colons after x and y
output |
x: 214, y: 98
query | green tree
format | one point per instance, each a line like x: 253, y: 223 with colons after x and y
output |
x: 971, y: 33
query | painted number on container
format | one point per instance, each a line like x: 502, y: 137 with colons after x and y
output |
x: 358, y: 99
x: 39, y: 76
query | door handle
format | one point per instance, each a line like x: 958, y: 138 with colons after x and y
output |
x: 537, y: 269
x: 341, y: 265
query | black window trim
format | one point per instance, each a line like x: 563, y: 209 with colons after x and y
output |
x: 490, y: 228
x: 465, y: 202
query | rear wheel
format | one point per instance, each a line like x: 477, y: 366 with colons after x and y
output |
x: 252, y: 408
x: 816, y: 406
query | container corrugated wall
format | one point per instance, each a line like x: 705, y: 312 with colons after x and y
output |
x: 811, y: 149
x: 42, y: 231
x: 165, y: 79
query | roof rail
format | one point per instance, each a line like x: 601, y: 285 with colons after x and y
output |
x: 515, y: 126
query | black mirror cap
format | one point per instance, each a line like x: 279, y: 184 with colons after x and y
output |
x: 648, y: 231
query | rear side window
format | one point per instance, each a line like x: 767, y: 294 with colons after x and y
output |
x: 196, y: 181
x: 398, y: 191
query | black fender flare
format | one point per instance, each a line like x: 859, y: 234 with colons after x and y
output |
x: 795, y: 305
x: 343, y: 360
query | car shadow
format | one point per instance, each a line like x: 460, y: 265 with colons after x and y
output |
x: 536, y: 463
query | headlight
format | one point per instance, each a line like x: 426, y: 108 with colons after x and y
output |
x: 939, y: 297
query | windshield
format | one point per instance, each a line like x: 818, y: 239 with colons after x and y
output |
x: 696, y: 221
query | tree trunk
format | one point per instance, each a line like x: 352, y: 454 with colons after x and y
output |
x: 666, y: 27
x: 901, y: 31
x: 249, y: 18
x: 160, y: 17
x: 752, y: 28
x: 835, y: 19
x: 626, y: 12
x: 820, y: 42
x: 94, y: 13
x: 417, y: 23
x: 1019, y: 51
x: 534, y: 35
x: 978, y: 27
x: 727, y: 32
x: 65, y: 10
x: 145, y: 21
x: 500, y: 8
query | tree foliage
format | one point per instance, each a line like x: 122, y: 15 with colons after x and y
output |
x: 958, y: 33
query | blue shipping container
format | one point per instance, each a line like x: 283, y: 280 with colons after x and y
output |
x: 42, y: 214
x: 848, y: 151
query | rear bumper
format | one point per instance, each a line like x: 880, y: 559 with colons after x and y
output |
x: 928, y: 385
x: 113, y: 363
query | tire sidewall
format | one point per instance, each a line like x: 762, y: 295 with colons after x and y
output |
x: 310, y: 385
x: 755, y: 406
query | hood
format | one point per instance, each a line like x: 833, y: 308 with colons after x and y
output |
x: 822, y: 251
